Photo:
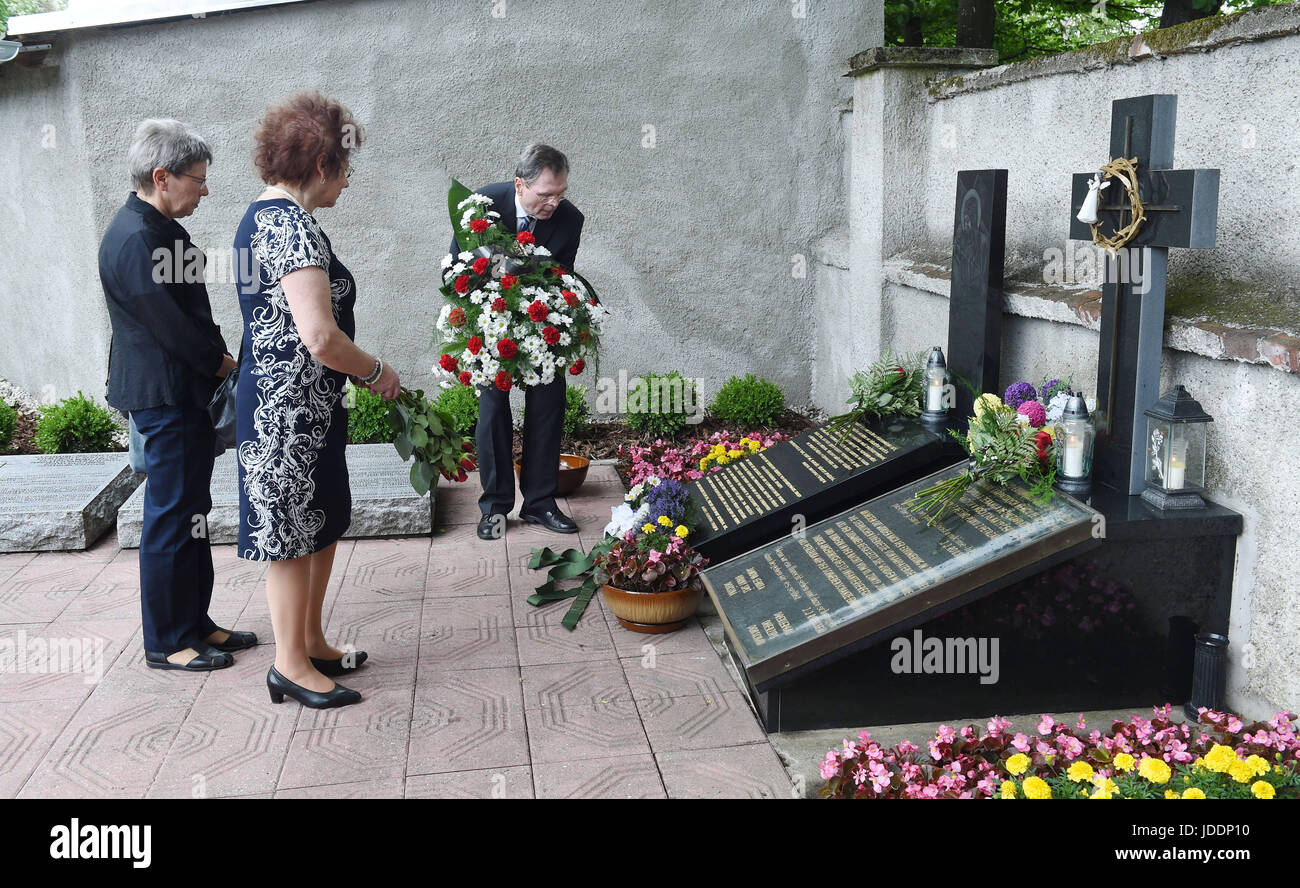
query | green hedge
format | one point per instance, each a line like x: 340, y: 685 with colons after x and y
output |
x: 75, y: 425
x: 748, y: 402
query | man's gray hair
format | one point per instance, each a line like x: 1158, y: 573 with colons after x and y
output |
x: 169, y: 144
x: 537, y: 157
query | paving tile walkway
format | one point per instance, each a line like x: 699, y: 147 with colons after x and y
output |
x: 469, y: 690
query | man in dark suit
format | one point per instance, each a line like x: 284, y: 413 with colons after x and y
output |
x: 166, y: 359
x: 534, y: 201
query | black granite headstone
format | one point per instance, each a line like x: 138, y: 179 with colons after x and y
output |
x: 1181, y: 210
x: 975, y: 312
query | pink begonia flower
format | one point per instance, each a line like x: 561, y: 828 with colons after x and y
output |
x: 946, y: 734
x: 875, y: 752
x: 968, y: 732
x: 1080, y: 725
x: 906, y: 748
x: 860, y: 775
x: 1178, y: 752
x: 829, y: 769
x: 1043, y: 749
x: 935, y: 752
x: 864, y: 737
x: 849, y: 751
x: 964, y: 795
x: 930, y: 791
x: 1045, y: 725
x: 1234, y: 724
x: 880, y: 777
x: 987, y: 785
x: 1021, y: 743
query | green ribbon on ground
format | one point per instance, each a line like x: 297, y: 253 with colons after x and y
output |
x: 567, y: 565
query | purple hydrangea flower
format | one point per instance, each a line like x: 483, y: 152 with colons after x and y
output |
x: 1018, y: 393
x: 1051, y: 389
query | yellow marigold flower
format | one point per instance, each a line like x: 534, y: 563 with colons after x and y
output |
x: 704, y: 463
x: 1124, y: 762
x: 1259, y: 764
x: 1018, y: 764
x: 1105, y: 784
x: 1079, y: 772
x: 1101, y: 794
x: 1262, y: 789
x: 722, y: 460
x: 1241, y: 771
x: 1037, y: 788
x: 735, y: 454
x: 665, y: 521
x: 1172, y: 794
x: 746, y: 441
x: 1198, y: 764
x: 1220, y: 758
x: 1008, y: 789
x: 647, y: 527
x: 1192, y: 792
x: 1154, y: 770
x: 755, y: 446
x: 681, y: 531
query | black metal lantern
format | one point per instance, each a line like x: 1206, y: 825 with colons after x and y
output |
x: 1175, y: 451
x: 936, y: 400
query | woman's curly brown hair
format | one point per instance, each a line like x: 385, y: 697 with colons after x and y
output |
x: 290, y: 136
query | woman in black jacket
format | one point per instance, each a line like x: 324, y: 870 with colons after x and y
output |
x: 166, y: 359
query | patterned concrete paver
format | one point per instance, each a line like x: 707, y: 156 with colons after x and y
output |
x: 470, y: 692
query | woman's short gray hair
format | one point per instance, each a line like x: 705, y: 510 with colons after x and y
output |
x: 537, y: 157
x: 169, y: 144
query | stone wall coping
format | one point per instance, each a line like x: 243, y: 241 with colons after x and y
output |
x: 1081, y: 305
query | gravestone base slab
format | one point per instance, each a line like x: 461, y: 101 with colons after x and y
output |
x: 383, y: 502
x: 61, y: 501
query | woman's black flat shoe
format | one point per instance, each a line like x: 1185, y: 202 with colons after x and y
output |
x: 280, y: 687
x: 207, y: 660
x: 238, y: 641
x: 335, y: 666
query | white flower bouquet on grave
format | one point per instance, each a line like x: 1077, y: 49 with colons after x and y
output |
x: 513, y: 316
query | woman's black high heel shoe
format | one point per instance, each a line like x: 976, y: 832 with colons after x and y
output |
x: 280, y: 687
x: 335, y: 666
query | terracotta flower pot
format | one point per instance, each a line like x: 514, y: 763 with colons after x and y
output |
x: 652, y: 612
x: 573, y: 471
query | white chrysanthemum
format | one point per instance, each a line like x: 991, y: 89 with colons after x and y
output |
x: 442, y: 318
x: 446, y: 261
x: 474, y: 198
x: 493, y: 214
x: 492, y: 285
x: 477, y: 297
x: 465, y: 256
x: 491, y: 367
x: 565, y: 339
x: 548, y: 374
x: 531, y: 378
x: 477, y: 378
x: 541, y: 251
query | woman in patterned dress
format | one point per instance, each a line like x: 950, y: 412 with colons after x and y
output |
x: 297, y: 299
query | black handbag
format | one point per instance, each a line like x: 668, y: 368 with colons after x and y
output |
x: 222, y: 411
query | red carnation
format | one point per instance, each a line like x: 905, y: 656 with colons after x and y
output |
x: 478, y: 226
x: 467, y: 446
x: 456, y: 317
x: 499, y: 304
x: 480, y: 265
x: 467, y: 464
x: 1042, y: 440
x: 475, y: 343
x: 525, y: 237
x: 503, y: 382
x: 507, y: 349
x: 558, y: 271
x: 569, y: 297
x: 578, y: 367
x: 464, y: 377
x: 462, y: 284
x: 538, y: 312
x: 448, y: 363
x: 551, y: 335
x: 508, y: 281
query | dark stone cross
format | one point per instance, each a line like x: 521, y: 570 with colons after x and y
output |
x: 975, y: 309
x: 1181, y: 211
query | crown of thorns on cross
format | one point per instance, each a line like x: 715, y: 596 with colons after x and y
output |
x: 1125, y: 170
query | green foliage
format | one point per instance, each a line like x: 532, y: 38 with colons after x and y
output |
x: 10, y: 8
x: 576, y: 413
x: 425, y: 431
x: 8, y: 419
x: 460, y: 403
x: 749, y: 402
x: 368, y: 418
x: 1023, y: 29
x: 889, y: 387
x: 658, y: 403
x: 75, y: 425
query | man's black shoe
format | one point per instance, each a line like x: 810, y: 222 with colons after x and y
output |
x: 552, y: 519
x: 492, y: 526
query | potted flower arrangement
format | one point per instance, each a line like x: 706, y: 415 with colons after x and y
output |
x: 648, y: 572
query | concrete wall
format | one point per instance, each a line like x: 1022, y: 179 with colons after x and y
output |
x: 1044, y: 120
x: 689, y: 241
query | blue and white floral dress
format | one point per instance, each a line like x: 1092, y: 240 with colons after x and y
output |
x: 292, y: 426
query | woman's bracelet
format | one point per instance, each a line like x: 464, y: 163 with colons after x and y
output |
x: 379, y: 369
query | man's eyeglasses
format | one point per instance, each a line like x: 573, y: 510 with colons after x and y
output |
x: 548, y: 198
